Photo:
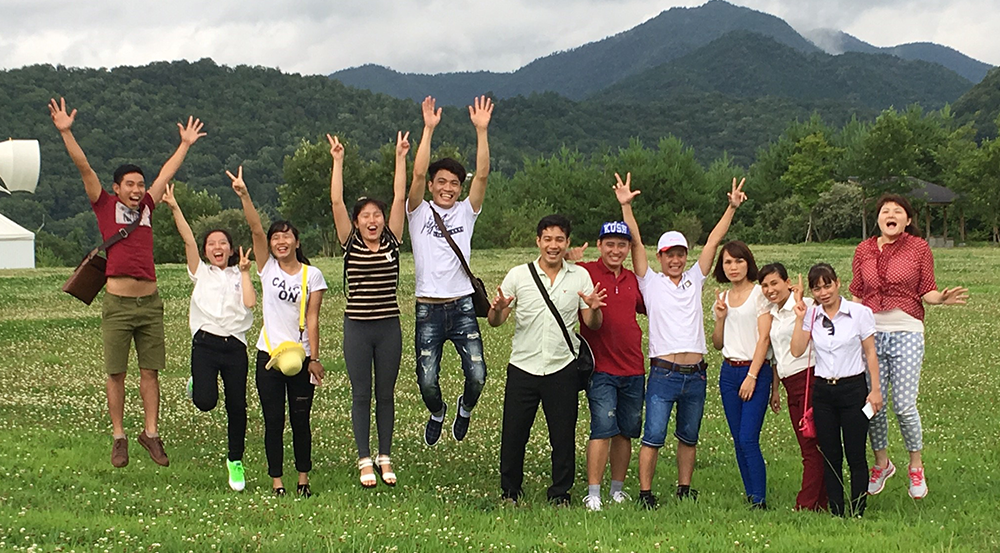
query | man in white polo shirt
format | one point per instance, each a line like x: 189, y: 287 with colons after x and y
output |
x: 676, y: 340
x: 445, y: 310
x: 540, y: 369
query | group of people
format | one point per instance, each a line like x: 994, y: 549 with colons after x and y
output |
x: 837, y: 373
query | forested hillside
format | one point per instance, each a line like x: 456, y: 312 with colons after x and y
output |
x: 981, y: 105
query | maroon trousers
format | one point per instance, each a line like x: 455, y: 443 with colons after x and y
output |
x: 812, y: 496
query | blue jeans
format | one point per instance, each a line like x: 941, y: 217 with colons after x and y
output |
x: 615, y: 405
x: 455, y: 321
x: 663, y: 390
x: 745, y: 420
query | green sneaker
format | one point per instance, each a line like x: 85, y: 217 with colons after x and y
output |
x: 190, y: 388
x: 236, y: 478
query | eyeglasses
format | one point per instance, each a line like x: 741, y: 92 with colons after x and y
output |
x: 828, y: 325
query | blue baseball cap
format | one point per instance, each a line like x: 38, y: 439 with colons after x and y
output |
x: 615, y: 228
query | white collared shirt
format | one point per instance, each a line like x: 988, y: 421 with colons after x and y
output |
x: 676, y: 316
x: 839, y: 355
x: 739, y: 338
x: 217, y: 302
x: 538, y: 346
x: 782, y: 328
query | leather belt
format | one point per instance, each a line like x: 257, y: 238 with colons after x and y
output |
x: 675, y: 367
x: 738, y: 363
x: 840, y: 380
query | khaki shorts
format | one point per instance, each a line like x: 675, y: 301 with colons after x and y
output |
x: 126, y: 319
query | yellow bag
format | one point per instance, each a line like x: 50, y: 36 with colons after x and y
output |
x: 289, y: 356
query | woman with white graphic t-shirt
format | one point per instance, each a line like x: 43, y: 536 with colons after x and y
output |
x: 291, y: 298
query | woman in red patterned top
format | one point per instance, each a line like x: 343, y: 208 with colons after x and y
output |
x: 894, y: 275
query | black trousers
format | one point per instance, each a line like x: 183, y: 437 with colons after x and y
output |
x: 842, y: 430
x: 273, y: 386
x: 557, y: 392
x: 212, y: 356
x: 372, y: 346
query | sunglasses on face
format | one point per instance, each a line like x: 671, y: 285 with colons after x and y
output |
x: 828, y: 325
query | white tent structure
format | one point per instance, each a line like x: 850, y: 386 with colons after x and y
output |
x: 17, y: 246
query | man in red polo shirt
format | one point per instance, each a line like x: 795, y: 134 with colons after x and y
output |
x: 618, y: 386
x: 132, y: 309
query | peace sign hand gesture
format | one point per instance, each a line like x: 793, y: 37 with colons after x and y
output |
x: 720, y: 308
x: 244, y: 260
x: 623, y: 190
x: 800, y: 304
x: 239, y: 186
x: 168, y: 196
x: 737, y: 196
x: 501, y: 302
x: 402, y: 143
x: 336, y: 148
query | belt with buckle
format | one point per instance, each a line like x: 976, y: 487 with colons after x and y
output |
x: 677, y: 368
x: 842, y: 379
x: 738, y: 363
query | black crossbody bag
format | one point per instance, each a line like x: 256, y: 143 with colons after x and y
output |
x: 480, y: 299
x: 582, y: 363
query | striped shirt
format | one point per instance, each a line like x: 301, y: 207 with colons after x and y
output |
x: 372, y: 278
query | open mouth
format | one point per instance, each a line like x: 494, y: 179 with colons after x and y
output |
x: 281, y: 250
x: 218, y: 256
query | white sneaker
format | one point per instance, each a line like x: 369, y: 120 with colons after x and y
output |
x: 620, y: 497
x: 918, y: 484
x: 592, y: 502
x: 878, y: 477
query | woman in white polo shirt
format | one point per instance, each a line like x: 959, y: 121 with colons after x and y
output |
x: 840, y: 331
x: 796, y: 375
x: 742, y: 326
x: 220, y: 316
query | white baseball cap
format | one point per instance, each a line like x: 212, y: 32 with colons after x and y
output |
x: 669, y: 240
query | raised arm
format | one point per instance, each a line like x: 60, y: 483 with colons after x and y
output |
x: 422, y: 161
x: 736, y: 197
x: 341, y: 218
x: 190, y: 134
x: 625, y: 195
x: 64, y: 122
x: 397, y: 212
x: 249, y: 293
x: 480, y: 114
x: 184, y: 229
x: 261, y: 250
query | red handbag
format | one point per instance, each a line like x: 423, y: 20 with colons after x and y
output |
x: 807, y: 426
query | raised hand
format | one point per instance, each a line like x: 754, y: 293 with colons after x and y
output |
x: 501, y: 302
x: 431, y: 116
x: 402, y: 143
x: 720, y: 308
x: 800, y: 305
x: 954, y: 296
x: 576, y: 254
x: 594, y: 300
x: 168, y: 196
x: 191, y: 132
x: 623, y: 190
x: 737, y: 196
x: 336, y: 148
x: 481, y: 112
x: 239, y: 186
x: 244, y: 260
x: 62, y: 120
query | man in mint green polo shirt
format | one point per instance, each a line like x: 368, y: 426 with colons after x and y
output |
x: 540, y: 359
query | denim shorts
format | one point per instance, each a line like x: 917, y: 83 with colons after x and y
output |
x: 615, y: 405
x: 666, y: 388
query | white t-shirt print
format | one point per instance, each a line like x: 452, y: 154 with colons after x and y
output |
x: 439, y: 272
x: 281, y: 293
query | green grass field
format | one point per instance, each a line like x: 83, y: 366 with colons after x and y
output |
x: 60, y: 492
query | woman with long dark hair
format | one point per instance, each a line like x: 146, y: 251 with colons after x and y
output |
x: 372, y: 335
x: 894, y: 276
x: 288, y: 348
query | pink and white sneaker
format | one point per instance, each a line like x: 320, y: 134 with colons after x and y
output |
x: 918, y: 484
x: 878, y: 477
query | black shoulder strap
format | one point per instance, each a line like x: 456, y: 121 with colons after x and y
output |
x: 120, y: 235
x: 451, y: 242
x: 552, y: 307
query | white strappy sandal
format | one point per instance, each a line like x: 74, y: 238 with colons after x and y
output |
x: 384, y: 460
x: 367, y: 480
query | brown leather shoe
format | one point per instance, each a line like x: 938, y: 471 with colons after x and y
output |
x: 155, y: 448
x: 119, y: 453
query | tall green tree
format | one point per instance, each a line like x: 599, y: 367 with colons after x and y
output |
x: 810, y: 172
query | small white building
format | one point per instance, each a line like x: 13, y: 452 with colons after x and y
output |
x: 17, y: 246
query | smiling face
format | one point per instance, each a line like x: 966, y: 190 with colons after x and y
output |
x: 283, y: 245
x: 673, y: 261
x: 614, y: 250
x: 130, y: 190
x: 735, y: 267
x: 445, y: 188
x: 552, y: 244
x: 370, y: 222
x: 218, y: 250
x: 775, y: 289
x: 826, y: 293
x: 892, y: 220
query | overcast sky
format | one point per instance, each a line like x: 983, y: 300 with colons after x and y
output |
x: 430, y: 36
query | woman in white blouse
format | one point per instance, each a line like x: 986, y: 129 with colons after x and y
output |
x: 742, y: 326
x: 220, y: 316
x: 840, y: 330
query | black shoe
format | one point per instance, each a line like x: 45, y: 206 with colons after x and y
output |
x: 432, y: 432
x: 762, y: 506
x: 687, y: 492
x: 279, y: 492
x: 646, y: 500
x: 461, y: 426
x: 510, y: 498
x: 303, y: 490
x: 560, y: 501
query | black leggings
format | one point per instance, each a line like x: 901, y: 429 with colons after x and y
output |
x: 272, y: 386
x: 368, y: 343
x: 212, y: 356
x: 842, y: 431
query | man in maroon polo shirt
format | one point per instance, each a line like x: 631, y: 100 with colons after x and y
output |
x: 618, y: 386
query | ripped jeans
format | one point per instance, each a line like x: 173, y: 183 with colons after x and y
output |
x: 455, y: 321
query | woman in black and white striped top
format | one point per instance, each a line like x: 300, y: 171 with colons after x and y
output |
x: 372, y: 336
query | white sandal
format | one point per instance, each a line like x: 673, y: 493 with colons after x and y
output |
x: 367, y: 480
x: 383, y: 460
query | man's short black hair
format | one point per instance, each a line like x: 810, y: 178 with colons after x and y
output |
x: 554, y: 220
x: 126, y: 169
x: 448, y: 164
